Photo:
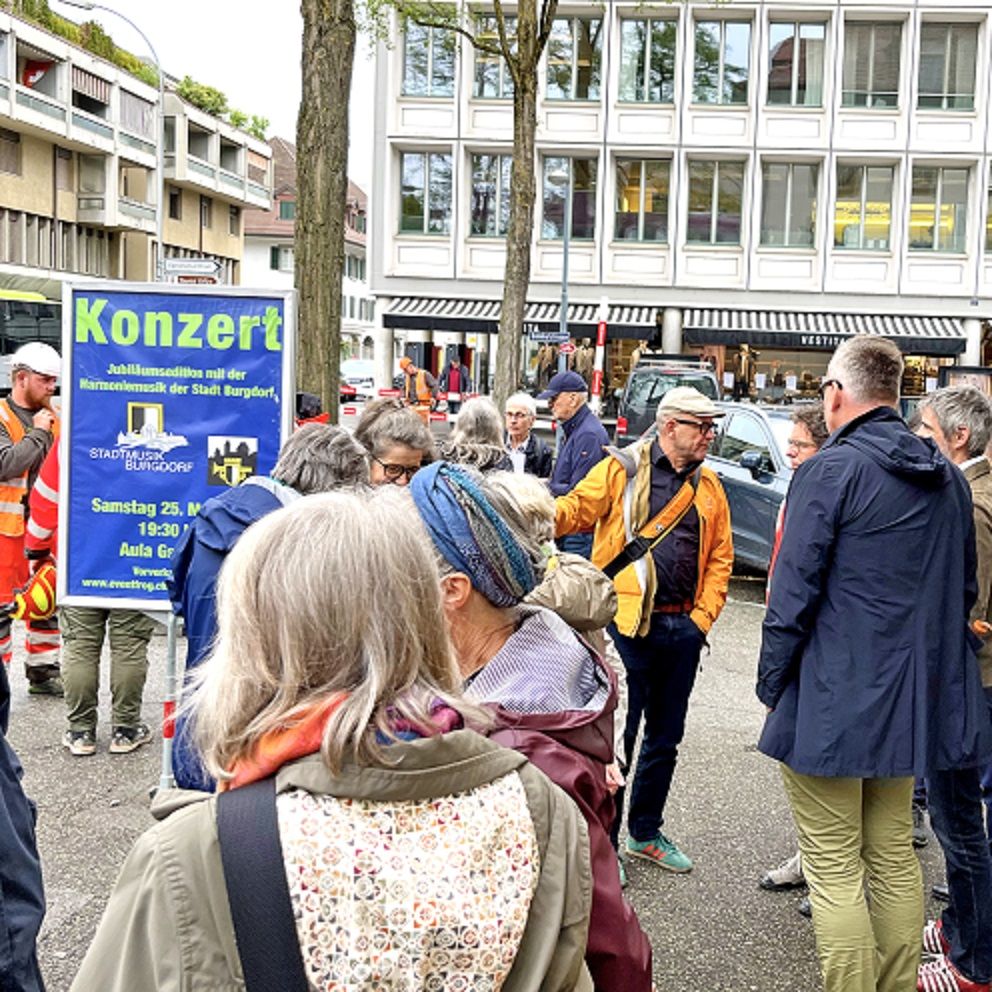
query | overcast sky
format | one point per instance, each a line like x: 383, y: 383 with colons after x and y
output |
x: 243, y: 48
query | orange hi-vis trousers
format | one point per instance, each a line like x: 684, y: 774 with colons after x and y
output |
x: 42, y: 640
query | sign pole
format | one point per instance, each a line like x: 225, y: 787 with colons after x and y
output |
x: 596, y: 400
x: 167, y: 779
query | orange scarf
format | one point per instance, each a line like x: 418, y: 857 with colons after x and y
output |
x: 286, y: 743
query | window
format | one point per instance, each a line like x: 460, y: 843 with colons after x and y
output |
x: 426, y: 193
x: 10, y: 152
x: 63, y: 169
x: 988, y: 220
x: 863, y: 211
x: 557, y: 172
x: 788, y: 204
x: 574, y: 57
x: 948, y: 55
x: 938, y: 216
x: 741, y: 435
x: 137, y: 115
x: 795, y: 71
x: 175, y: 203
x: 287, y: 209
x: 647, y: 61
x: 360, y: 223
x: 492, y: 77
x: 716, y: 191
x: 871, y: 64
x: 721, y: 62
x: 206, y: 212
x: 490, y: 195
x: 428, y: 61
x: 234, y: 220
x: 642, y: 200
x: 281, y: 258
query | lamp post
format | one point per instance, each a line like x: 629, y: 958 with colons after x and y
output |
x: 563, y: 316
x: 160, y: 128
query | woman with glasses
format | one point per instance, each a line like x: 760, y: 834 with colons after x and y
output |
x: 398, y: 442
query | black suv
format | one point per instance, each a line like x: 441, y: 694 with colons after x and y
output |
x: 650, y: 379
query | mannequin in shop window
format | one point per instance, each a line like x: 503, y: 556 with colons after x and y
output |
x: 744, y: 364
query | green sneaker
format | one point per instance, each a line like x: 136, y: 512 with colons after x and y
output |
x: 660, y: 851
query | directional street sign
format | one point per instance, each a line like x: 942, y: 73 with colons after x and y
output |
x: 191, y: 266
x: 566, y: 348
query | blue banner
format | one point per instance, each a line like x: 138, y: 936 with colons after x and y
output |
x: 171, y: 397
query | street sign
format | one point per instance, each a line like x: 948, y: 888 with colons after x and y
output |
x: 191, y: 267
x: 389, y: 392
x: 349, y: 411
x: 197, y: 280
x: 546, y: 335
x: 566, y: 348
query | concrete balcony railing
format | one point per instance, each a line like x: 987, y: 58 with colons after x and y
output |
x: 136, y: 214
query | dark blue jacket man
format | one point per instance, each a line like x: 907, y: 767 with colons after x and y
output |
x: 868, y: 664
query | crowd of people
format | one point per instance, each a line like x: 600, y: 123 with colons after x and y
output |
x: 416, y: 776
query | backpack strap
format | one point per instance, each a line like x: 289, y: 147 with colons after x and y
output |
x: 257, y: 890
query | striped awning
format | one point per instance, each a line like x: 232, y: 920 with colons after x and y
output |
x: 482, y: 317
x: 824, y: 331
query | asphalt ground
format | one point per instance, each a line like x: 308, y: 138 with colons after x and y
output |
x: 712, y: 930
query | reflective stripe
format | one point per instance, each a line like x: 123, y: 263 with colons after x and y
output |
x: 46, y: 490
x: 40, y: 533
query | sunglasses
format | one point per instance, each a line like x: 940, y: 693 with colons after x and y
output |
x: 395, y: 472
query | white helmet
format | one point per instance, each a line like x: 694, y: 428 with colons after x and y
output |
x: 38, y: 357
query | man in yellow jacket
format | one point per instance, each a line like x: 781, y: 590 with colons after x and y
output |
x: 657, y: 494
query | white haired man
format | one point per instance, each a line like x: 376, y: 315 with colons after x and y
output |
x: 526, y: 450
x: 866, y: 664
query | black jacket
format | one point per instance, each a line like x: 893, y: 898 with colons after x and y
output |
x: 537, y: 456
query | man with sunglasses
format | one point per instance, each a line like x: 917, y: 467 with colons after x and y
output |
x: 662, y: 530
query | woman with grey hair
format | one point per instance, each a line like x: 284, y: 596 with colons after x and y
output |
x: 477, y: 438
x: 551, y: 695
x: 409, y: 851
x: 315, y: 458
x: 396, y: 439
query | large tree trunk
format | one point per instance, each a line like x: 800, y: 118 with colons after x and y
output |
x: 322, y: 192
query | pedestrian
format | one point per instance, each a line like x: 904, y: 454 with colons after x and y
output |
x: 454, y: 384
x: 583, y: 445
x: 528, y: 453
x: 402, y: 849
x: 865, y: 664
x: 419, y: 388
x: 959, y: 419
x: 662, y: 530
x: 315, y: 458
x: 28, y: 429
x: 477, y: 438
x: 551, y: 695
x: 396, y: 440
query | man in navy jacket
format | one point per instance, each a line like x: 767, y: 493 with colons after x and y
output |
x: 867, y: 664
x: 582, y: 447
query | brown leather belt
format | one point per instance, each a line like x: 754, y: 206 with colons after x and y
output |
x: 684, y: 607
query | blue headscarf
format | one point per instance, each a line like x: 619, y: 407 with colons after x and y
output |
x: 470, y: 535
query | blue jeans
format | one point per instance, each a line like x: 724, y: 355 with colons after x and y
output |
x: 661, y: 671
x: 576, y: 544
x: 956, y: 815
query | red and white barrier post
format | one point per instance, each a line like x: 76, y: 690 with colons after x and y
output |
x: 599, y: 360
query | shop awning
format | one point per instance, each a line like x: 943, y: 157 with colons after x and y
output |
x: 780, y: 329
x: 482, y: 317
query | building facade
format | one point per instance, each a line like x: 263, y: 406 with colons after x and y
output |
x: 79, y: 179
x: 774, y: 174
x: 269, y: 257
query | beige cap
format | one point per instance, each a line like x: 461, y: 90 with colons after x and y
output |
x: 685, y: 399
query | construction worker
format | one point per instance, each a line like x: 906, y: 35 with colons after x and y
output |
x: 418, y: 387
x: 28, y: 429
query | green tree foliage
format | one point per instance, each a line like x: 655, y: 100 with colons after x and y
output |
x: 237, y: 118
x: 258, y: 127
x: 207, y: 98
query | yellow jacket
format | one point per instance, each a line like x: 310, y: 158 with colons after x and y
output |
x: 622, y: 482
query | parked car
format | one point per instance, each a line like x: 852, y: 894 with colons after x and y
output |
x: 649, y: 380
x: 359, y: 374
x: 748, y: 454
x: 348, y: 393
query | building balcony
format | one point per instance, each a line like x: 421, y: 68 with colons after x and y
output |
x: 122, y: 213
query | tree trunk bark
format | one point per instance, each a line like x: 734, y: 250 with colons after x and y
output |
x: 322, y: 193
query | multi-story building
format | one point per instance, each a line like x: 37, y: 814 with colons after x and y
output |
x: 776, y: 174
x: 269, y: 257
x: 79, y: 181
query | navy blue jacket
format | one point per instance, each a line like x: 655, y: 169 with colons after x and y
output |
x: 585, y: 438
x: 196, y: 560
x: 866, y: 655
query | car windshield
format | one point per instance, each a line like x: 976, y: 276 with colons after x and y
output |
x: 782, y: 430
x: 649, y: 387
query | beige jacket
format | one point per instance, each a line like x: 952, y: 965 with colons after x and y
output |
x: 979, y: 477
x: 167, y: 926
x: 577, y: 591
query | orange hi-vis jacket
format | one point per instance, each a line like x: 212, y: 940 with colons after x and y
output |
x: 13, y: 491
x: 421, y: 393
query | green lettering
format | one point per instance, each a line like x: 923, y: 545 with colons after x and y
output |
x: 220, y: 331
x: 158, y: 329
x: 245, y: 326
x: 88, y: 320
x: 124, y: 328
x: 273, y: 322
x: 189, y: 336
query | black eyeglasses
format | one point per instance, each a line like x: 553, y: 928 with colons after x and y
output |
x: 395, y: 472
x: 828, y: 382
x: 703, y: 428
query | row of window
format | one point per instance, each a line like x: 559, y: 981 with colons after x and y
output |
x: 281, y: 259
x: 175, y: 211
x: 863, y: 202
x: 353, y: 219
x: 721, y: 60
x: 29, y: 239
